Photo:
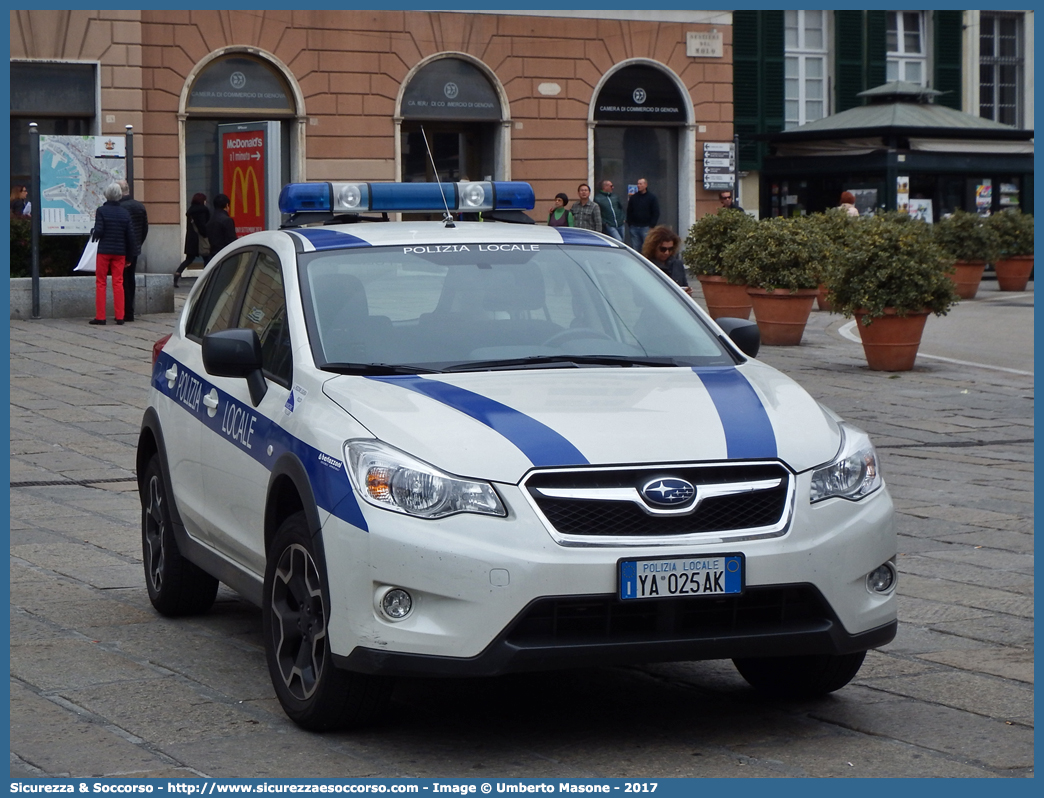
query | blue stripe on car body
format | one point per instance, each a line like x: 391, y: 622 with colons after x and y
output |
x: 323, y: 238
x: 578, y: 235
x: 748, y: 430
x: 329, y: 480
x: 541, y: 444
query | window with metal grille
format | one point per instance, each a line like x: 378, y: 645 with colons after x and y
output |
x: 1000, y: 68
x: 805, y: 40
x: 907, y: 54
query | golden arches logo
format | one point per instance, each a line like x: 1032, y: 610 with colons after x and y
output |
x: 243, y: 178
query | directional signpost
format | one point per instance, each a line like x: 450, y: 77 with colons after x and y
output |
x: 719, y: 165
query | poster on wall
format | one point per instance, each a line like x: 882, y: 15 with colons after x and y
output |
x: 74, y: 171
x: 902, y: 194
x: 984, y: 197
x: 250, y: 174
x: 921, y: 209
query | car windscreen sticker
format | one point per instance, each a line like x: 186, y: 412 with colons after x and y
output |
x: 576, y: 235
x: 541, y: 444
x: 748, y: 430
x: 324, y: 238
x: 253, y: 433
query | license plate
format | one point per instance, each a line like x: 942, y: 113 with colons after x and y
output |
x: 713, y: 575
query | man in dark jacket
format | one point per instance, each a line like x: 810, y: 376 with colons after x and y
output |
x: 140, y: 221
x: 643, y: 213
x: 221, y: 229
x: 114, y: 232
x: 612, y: 211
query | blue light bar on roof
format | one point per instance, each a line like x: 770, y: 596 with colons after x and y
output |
x: 399, y: 197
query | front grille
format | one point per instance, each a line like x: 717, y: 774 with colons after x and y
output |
x: 602, y: 518
x: 604, y: 619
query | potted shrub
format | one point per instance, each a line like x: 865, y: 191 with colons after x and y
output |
x: 973, y: 243
x: 890, y: 276
x: 707, y: 240
x: 1015, y: 233
x: 780, y: 260
x: 836, y: 225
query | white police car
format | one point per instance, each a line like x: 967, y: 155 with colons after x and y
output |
x: 426, y: 448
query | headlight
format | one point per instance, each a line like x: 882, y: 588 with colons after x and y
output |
x: 853, y: 474
x: 395, y: 481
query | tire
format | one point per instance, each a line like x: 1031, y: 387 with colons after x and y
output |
x: 314, y: 693
x: 176, y: 586
x: 800, y: 677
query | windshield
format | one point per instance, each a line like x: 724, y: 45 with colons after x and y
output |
x: 488, y: 306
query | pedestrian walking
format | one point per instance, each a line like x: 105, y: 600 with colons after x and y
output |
x: 848, y: 203
x: 221, y: 229
x: 560, y: 215
x: 140, y: 221
x: 196, y: 242
x: 20, y: 205
x: 612, y: 211
x: 643, y: 214
x: 727, y: 202
x: 586, y: 212
x: 114, y: 232
x: 661, y: 247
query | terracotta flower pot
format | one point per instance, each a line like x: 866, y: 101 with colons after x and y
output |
x: 890, y: 342
x: 967, y: 277
x: 1013, y: 272
x: 782, y: 315
x: 724, y: 298
x: 822, y: 301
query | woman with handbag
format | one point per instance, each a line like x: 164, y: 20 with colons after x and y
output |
x: 196, y: 243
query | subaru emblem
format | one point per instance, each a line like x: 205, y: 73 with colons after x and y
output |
x: 668, y: 492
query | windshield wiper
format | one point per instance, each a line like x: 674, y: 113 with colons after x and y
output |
x: 563, y: 361
x: 375, y: 369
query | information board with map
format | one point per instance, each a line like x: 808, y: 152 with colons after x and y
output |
x: 74, y: 171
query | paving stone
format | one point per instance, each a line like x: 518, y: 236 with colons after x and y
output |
x: 64, y: 664
x: 166, y: 711
x: 1007, y: 663
x: 984, y: 742
x: 61, y: 742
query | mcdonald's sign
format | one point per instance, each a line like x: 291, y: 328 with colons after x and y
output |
x: 243, y: 178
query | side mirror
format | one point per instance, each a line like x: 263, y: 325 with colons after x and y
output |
x: 744, y: 334
x: 236, y: 353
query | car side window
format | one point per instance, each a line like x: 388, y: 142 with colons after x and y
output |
x: 264, y: 311
x: 219, y: 299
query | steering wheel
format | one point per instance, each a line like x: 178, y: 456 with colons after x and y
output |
x: 579, y: 332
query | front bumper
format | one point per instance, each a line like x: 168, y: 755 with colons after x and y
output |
x: 496, y: 595
x: 581, y: 631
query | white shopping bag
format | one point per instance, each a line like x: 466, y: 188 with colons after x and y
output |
x: 89, y: 258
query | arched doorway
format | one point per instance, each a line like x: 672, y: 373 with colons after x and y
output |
x: 454, y: 102
x: 641, y: 117
x: 238, y: 85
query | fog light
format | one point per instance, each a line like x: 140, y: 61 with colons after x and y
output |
x: 396, y: 604
x: 882, y: 579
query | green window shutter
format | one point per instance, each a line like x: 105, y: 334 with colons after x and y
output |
x: 848, y: 44
x: 876, y: 48
x: 757, y: 81
x: 861, y: 50
x: 949, y: 35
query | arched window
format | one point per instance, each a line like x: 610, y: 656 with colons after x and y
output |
x: 235, y: 84
x: 450, y: 107
x: 642, y: 129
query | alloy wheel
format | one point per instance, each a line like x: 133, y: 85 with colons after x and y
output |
x: 299, y: 630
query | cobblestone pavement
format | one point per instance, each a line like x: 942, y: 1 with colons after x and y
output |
x: 102, y: 686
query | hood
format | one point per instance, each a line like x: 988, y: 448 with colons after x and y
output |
x: 498, y: 425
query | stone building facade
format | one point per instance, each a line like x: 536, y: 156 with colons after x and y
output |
x: 556, y: 98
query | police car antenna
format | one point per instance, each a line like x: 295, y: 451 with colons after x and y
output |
x: 448, y: 219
